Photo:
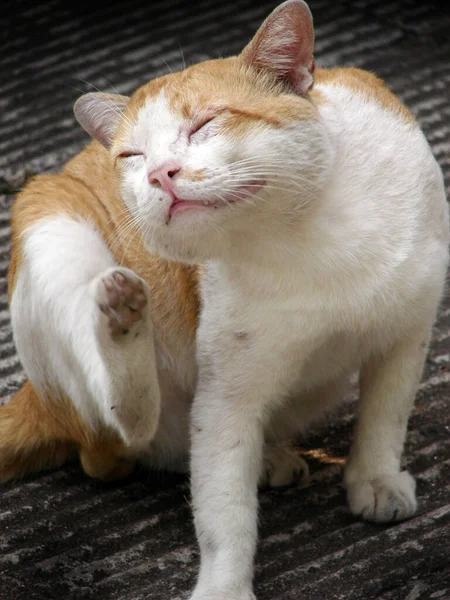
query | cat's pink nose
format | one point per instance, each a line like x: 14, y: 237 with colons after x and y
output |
x: 163, y: 176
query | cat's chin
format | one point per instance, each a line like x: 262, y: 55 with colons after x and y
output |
x: 184, y: 253
x: 190, y: 238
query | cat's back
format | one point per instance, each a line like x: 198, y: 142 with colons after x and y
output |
x: 345, y: 83
x: 369, y: 123
x: 382, y: 157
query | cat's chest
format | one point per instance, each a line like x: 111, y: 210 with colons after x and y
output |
x: 283, y: 307
x: 271, y: 321
x: 285, y: 334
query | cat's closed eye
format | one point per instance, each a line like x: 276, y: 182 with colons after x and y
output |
x: 130, y: 158
x: 130, y: 154
x: 202, y: 130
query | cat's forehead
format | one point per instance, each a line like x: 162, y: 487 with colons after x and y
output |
x: 212, y: 82
x: 218, y: 83
x: 179, y: 100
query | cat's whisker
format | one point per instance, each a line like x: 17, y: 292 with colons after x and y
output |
x: 249, y: 168
x: 120, y: 239
x: 140, y: 221
x: 166, y: 63
x: 119, y: 215
x: 112, y: 237
x: 77, y: 89
x: 298, y: 181
x: 182, y: 55
x: 145, y: 231
x: 262, y: 173
x: 295, y: 187
x: 115, y: 239
x: 233, y: 194
x: 115, y: 109
x: 259, y: 160
x: 89, y: 84
x: 133, y: 223
x: 282, y: 161
x: 114, y: 89
x: 259, y: 170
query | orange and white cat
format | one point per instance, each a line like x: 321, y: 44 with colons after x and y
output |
x: 241, y: 238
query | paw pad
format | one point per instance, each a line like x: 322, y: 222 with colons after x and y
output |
x: 122, y: 298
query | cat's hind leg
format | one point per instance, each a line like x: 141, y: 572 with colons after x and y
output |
x: 121, y: 298
x: 28, y: 440
x: 38, y: 434
x: 282, y: 466
x: 377, y: 489
x: 83, y: 330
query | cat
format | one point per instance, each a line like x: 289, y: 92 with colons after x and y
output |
x: 204, y: 278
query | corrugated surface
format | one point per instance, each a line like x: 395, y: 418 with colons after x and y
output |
x: 62, y: 535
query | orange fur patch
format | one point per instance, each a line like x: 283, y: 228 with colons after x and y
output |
x: 193, y: 175
x: 38, y: 434
x: 366, y: 84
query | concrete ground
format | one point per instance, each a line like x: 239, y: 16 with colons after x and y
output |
x: 65, y: 536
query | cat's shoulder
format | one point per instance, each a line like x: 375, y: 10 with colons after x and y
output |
x: 78, y: 189
x: 361, y: 84
x: 92, y: 163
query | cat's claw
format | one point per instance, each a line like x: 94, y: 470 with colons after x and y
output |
x: 282, y: 467
x: 384, y: 499
x: 121, y: 296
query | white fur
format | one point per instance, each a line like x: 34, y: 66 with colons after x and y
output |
x: 343, y: 275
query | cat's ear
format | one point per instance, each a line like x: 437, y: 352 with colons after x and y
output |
x: 284, y: 45
x: 99, y: 114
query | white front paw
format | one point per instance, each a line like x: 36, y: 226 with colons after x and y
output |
x: 211, y: 594
x: 383, y: 499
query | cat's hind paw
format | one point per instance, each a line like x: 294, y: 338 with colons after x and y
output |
x: 122, y: 297
x: 126, y: 376
x: 384, y: 499
x: 282, y: 467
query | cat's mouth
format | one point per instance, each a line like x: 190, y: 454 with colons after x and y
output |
x: 220, y: 200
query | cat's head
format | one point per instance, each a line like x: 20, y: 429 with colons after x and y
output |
x: 227, y: 148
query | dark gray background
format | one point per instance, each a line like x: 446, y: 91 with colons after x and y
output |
x: 64, y: 536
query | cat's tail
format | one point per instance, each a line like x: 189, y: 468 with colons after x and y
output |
x: 28, y: 440
x: 37, y: 435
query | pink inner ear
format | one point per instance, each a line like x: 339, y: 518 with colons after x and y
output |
x: 99, y: 113
x: 284, y: 45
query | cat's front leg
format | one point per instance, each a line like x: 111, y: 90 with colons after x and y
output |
x: 226, y: 458
x: 230, y: 409
x: 377, y: 489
